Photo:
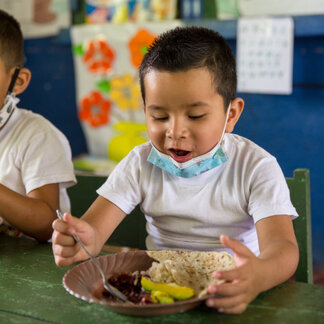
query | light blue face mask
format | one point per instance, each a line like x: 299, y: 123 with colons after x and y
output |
x: 193, y: 167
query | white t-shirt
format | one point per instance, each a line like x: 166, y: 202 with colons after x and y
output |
x: 35, y: 153
x: 192, y: 213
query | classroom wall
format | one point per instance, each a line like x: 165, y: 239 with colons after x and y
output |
x: 289, y: 127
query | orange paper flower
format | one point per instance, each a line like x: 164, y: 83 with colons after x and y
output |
x: 95, y: 109
x: 99, y: 56
x: 138, y: 46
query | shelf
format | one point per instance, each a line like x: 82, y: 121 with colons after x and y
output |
x: 305, y: 26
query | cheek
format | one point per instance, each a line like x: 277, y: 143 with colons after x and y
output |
x: 156, y: 134
x: 154, y: 127
x: 207, y: 139
x: 154, y: 131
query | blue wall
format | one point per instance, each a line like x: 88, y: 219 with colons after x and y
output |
x: 289, y: 127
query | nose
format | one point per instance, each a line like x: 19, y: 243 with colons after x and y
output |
x: 177, y: 129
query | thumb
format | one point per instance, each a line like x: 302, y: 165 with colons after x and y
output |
x: 237, y: 247
x: 76, y: 225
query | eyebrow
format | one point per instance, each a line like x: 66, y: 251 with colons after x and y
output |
x: 192, y: 105
x: 154, y: 107
x: 198, y: 104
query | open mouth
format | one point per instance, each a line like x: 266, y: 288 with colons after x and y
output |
x: 180, y: 156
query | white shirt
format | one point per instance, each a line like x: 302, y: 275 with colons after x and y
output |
x: 192, y: 213
x: 35, y: 153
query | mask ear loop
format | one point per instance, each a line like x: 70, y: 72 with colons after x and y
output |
x: 227, y: 114
x: 13, y: 80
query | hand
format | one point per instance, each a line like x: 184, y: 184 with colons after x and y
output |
x: 242, y: 284
x: 65, y: 249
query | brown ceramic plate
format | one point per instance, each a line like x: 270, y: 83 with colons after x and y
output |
x: 84, y: 281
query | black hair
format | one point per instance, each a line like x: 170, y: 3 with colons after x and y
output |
x: 11, y: 41
x: 185, y: 48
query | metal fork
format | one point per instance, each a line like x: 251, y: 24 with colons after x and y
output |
x: 114, y: 291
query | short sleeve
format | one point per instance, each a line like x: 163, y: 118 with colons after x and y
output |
x: 269, y: 192
x: 47, y: 159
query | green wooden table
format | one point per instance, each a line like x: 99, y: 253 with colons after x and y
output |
x: 31, y: 291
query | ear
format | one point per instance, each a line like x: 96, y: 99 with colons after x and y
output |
x: 235, y: 112
x: 22, y: 81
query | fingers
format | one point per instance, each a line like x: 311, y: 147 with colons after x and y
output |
x: 237, y: 273
x: 62, y: 227
x: 64, y: 262
x: 70, y: 225
x: 236, y: 246
x: 227, y: 289
x: 230, y: 305
x: 64, y: 247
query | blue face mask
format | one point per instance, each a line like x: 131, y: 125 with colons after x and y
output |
x: 193, y: 167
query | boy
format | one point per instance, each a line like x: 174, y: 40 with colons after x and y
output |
x: 35, y: 160
x: 194, y: 183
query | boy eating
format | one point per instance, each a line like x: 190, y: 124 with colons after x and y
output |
x: 199, y: 186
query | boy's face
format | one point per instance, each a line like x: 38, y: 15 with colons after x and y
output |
x: 185, y: 116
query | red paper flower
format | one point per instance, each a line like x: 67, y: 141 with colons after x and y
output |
x: 95, y: 109
x: 99, y: 56
x: 138, y: 46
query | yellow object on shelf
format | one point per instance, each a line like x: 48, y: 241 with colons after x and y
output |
x: 130, y: 136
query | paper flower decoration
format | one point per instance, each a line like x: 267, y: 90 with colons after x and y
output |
x: 95, y: 109
x: 99, y: 56
x: 138, y: 46
x: 125, y: 92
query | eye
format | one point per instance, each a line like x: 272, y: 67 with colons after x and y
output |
x: 197, y: 116
x: 159, y: 118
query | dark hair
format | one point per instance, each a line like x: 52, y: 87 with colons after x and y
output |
x: 11, y: 41
x: 185, y: 48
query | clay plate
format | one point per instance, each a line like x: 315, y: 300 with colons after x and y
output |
x: 84, y: 281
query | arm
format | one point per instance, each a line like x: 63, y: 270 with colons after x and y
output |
x: 276, y: 263
x: 32, y: 214
x: 93, y: 229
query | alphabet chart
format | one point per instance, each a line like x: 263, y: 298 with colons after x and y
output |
x: 265, y: 55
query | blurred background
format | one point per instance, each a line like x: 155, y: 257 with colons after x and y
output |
x: 84, y: 57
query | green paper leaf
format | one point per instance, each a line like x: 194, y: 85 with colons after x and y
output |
x: 104, y: 86
x: 78, y: 49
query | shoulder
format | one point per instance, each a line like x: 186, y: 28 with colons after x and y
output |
x: 33, y: 125
x: 242, y: 145
x: 244, y: 152
x: 139, y: 154
x: 249, y: 161
x: 33, y: 120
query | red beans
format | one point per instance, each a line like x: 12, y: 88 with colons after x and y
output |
x: 130, y: 286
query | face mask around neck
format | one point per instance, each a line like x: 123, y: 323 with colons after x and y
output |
x: 195, y: 166
x: 10, y: 101
x: 8, y: 108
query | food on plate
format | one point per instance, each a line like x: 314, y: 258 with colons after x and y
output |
x: 130, y: 286
x: 191, y: 269
x: 173, y: 276
x: 173, y: 290
x: 160, y: 297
